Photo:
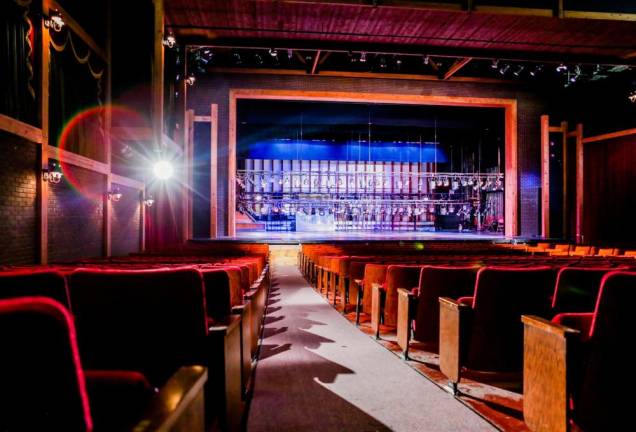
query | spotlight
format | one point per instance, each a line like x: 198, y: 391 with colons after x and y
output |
x: 169, y: 41
x: 363, y: 57
x: 383, y: 62
x: 191, y: 79
x: 114, y: 195
x: 55, y: 21
x: 258, y: 59
x: 495, y: 64
x: 632, y: 96
x: 561, y: 68
x: 273, y: 52
x: 537, y: 69
x: 426, y: 60
x: 504, y: 69
x: 163, y: 170
x: 518, y: 71
x: 290, y: 54
x: 149, y: 201
x: 398, y: 62
x: 237, y: 59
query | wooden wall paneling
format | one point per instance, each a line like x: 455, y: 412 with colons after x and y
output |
x: 579, y: 184
x: 545, y: 176
x: 231, y: 169
x: 511, y: 194
x: 214, y: 167
x: 609, y: 136
x: 157, y: 73
x: 188, y: 181
x: 21, y: 129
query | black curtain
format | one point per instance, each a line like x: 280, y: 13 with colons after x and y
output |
x: 17, y: 86
x: 73, y: 90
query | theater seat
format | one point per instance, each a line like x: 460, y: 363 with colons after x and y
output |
x: 578, y: 367
x: 384, y: 303
x: 421, y: 308
x: 485, y: 339
x: 31, y: 282
x: 576, y: 289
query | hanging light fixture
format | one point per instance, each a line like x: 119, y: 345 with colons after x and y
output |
x: 169, y: 41
x: 55, y: 21
x: 52, y: 174
x: 114, y: 194
x: 149, y: 201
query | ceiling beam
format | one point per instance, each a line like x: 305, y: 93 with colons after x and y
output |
x: 314, y: 66
x: 456, y: 67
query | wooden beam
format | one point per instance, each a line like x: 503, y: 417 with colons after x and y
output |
x: 314, y: 65
x: 231, y: 167
x: 21, y: 129
x: 566, y: 189
x: 456, y: 67
x: 202, y: 119
x: 572, y: 134
x: 608, y: 136
x: 545, y: 176
x: 157, y: 74
x: 555, y: 129
x: 188, y: 163
x: 79, y: 30
x: 77, y: 160
x: 132, y: 133
x: 579, y: 184
x: 511, y: 190
x: 369, y: 75
x: 214, y: 167
x: 43, y: 203
x: 128, y: 182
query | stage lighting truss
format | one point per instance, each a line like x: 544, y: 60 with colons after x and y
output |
x: 368, y: 198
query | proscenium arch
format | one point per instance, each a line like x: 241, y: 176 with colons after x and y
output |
x: 510, y: 112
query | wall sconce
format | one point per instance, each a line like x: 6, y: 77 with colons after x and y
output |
x: 52, y: 174
x: 114, y: 195
x: 149, y: 201
x: 55, y: 21
x: 169, y: 41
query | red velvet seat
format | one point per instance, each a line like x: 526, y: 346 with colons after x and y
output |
x: 487, y: 336
x: 577, y: 289
x: 25, y: 283
x: 436, y: 282
x: 42, y: 381
x: 151, y: 321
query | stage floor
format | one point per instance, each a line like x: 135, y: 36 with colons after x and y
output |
x: 273, y: 236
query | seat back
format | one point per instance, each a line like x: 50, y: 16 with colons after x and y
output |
x: 150, y: 321
x: 41, y: 376
x: 373, y: 273
x: 502, y: 295
x: 398, y: 276
x: 576, y: 289
x: 218, y: 296
x: 34, y: 283
x: 436, y: 282
x: 601, y: 403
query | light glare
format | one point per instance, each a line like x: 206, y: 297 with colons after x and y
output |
x: 163, y: 170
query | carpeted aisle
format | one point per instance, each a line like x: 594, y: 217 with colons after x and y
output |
x: 317, y: 372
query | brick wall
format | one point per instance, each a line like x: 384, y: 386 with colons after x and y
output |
x: 215, y: 89
x: 75, y: 216
x: 125, y: 222
x: 19, y: 226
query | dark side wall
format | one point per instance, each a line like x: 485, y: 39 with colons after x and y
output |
x: 215, y: 88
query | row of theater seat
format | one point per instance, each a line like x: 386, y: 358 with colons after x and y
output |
x: 560, y: 323
x: 145, y: 342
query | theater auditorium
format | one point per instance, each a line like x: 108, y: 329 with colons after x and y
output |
x: 317, y: 215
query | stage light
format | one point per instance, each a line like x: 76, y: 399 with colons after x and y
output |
x: 273, y: 52
x: 163, y: 170
x: 55, y: 21
x: 149, y: 201
x: 561, y: 68
x: 169, y: 41
x: 258, y: 198
x: 191, y: 79
x: 237, y: 59
x: 518, y: 71
x: 258, y: 59
x: 426, y: 60
x: 363, y: 57
x: 495, y: 64
x: 504, y: 69
x: 114, y: 195
x: 290, y: 54
x: 537, y: 69
x: 632, y: 96
x: 52, y: 174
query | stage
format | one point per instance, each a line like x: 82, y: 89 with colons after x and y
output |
x: 299, y: 237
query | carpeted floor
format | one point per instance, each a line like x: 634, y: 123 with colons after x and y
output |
x: 318, y: 372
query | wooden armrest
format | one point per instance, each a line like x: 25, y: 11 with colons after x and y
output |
x: 179, y: 405
x: 546, y: 349
x: 405, y: 309
x: 376, y: 307
x: 452, y: 324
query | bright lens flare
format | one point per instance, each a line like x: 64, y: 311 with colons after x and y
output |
x: 163, y: 170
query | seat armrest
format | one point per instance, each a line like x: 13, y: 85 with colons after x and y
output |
x: 405, y: 312
x: 179, y: 405
x: 452, y: 325
x: 577, y: 321
x: 376, y: 307
x: 547, y: 349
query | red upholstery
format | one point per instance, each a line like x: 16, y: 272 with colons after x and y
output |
x: 600, y: 401
x: 577, y: 288
x: 218, y: 300
x: 502, y: 295
x: 40, y: 372
x: 373, y: 273
x: 581, y: 321
x: 151, y: 321
x: 436, y: 282
x: 34, y: 283
x: 398, y: 276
